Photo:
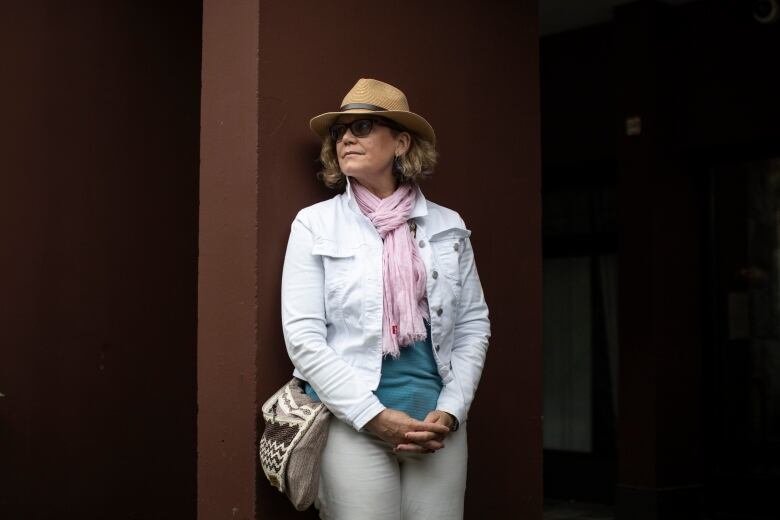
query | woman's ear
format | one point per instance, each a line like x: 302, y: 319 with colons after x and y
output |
x: 403, y: 143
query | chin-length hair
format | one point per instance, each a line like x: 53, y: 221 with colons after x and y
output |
x: 416, y: 164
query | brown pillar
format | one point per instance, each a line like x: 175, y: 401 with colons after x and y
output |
x: 471, y: 69
x: 227, y: 270
x: 659, y: 373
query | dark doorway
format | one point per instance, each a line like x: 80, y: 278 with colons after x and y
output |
x: 743, y: 360
x: 579, y: 195
x: 580, y: 337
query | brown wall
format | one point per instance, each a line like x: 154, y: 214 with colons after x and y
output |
x: 471, y: 69
x: 99, y: 172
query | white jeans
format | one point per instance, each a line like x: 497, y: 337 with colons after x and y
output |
x: 361, y: 478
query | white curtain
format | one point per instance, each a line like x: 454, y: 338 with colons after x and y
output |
x: 567, y: 354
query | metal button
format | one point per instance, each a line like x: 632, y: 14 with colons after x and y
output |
x: 435, y: 274
x: 421, y: 243
x: 439, y: 311
x: 438, y: 347
x: 456, y: 246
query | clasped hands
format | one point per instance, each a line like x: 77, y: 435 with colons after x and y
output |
x: 407, y: 434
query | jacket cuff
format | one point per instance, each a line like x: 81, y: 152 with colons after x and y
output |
x: 451, y: 403
x: 369, y: 409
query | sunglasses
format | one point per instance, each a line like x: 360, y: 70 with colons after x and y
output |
x: 359, y: 128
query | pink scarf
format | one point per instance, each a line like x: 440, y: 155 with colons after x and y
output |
x: 405, y: 304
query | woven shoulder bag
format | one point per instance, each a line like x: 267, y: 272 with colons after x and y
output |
x: 296, y: 429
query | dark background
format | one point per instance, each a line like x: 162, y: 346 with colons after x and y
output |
x: 98, y: 214
x: 701, y: 78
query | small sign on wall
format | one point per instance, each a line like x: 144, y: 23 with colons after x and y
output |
x: 633, y: 125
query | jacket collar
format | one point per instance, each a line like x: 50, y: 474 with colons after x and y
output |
x: 420, y: 208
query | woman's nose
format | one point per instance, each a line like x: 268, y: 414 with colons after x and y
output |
x: 348, y: 137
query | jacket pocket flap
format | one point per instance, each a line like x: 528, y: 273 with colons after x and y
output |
x: 325, y: 247
x: 456, y: 233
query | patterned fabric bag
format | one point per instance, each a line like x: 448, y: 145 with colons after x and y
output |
x: 296, y: 429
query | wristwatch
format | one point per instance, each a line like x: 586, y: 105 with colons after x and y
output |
x: 455, y: 423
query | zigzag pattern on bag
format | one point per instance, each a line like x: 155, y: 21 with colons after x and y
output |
x: 274, y: 444
x: 288, y: 414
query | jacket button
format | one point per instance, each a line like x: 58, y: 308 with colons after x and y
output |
x: 439, y: 311
x: 456, y: 246
x: 421, y: 243
x: 435, y: 274
x: 438, y: 347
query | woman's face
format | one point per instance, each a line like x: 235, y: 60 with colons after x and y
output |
x: 369, y: 159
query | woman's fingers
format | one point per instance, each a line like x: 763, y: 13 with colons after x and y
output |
x: 431, y: 444
x: 412, y: 448
x: 440, y: 417
x: 436, y: 416
x: 417, y: 448
x: 419, y: 437
x: 424, y: 441
x: 398, y: 429
x: 430, y: 427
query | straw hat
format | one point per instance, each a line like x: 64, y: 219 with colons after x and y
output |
x: 370, y: 96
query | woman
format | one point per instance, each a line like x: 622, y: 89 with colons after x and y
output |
x: 384, y: 316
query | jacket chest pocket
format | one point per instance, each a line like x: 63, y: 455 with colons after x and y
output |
x: 447, y: 247
x: 343, y: 284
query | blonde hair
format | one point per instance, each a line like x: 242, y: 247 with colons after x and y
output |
x: 416, y: 164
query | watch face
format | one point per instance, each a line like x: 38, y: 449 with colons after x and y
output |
x: 455, y: 424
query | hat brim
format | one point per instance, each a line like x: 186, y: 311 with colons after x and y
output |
x: 321, y: 124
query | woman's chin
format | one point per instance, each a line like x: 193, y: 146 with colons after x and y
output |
x: 354, y: 174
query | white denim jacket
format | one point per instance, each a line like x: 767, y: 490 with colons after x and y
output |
x: 332, y: 305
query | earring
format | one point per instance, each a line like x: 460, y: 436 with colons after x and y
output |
x: 397, y: 166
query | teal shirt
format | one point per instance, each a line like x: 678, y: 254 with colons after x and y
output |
x: 410, y: 383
